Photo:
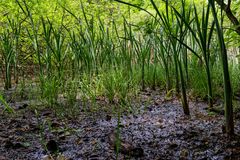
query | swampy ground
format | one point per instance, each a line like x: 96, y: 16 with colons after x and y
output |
x: 156, y: 128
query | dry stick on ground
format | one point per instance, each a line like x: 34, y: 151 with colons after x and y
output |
x: 228, y: 11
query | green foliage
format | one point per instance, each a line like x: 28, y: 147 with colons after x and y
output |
x: 6, y: 43
x: 51, y: 90
x: 198, y: 81
x: 119, y: 86
x: 228, y: 106
x: 83, y: 50
x: 6, y: 105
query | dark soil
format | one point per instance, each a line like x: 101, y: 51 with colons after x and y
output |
x: 156, y: 129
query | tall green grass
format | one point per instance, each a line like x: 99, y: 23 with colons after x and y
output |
x: 176, y: 50
x: 228, y: 106
x: 8, y: 54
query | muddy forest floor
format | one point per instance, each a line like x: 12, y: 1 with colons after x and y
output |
x: 156, y: 129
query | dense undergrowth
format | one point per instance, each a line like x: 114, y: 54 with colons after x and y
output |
x: 176, y: 50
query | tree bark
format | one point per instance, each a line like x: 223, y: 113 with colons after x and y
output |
x: 228, y: 11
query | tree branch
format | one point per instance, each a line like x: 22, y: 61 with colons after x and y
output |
x: 228, y: 11
x: 135, y: 6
